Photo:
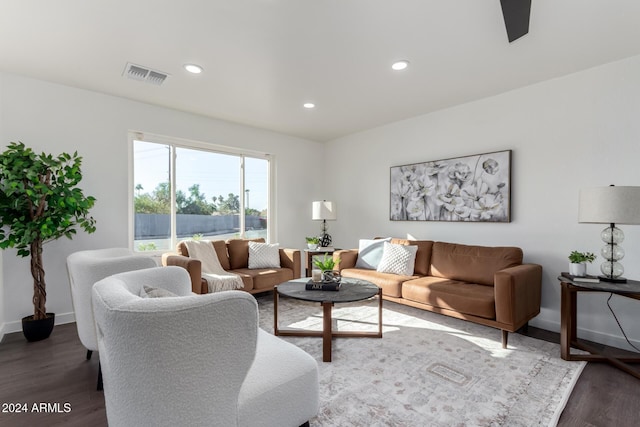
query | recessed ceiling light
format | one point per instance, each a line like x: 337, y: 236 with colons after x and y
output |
x: 193, y: 68
x: 309, y: 105
x: 400, y: 65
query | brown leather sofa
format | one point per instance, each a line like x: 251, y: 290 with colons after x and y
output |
x: 486, y: 285
x: 233, y: 255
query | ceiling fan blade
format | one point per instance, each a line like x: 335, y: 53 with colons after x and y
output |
x: 516, y: 15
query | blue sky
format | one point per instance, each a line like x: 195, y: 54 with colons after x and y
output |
x: 217, y: 174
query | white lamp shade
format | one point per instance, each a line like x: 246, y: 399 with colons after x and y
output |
x: 324, y: 210
x: 605, y: 205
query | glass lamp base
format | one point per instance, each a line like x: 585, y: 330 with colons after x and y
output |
x: 612, y: 252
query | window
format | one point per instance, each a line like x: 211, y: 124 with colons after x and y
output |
x: 183, y: 191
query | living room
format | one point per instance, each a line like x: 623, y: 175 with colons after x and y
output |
x: 575, y: 130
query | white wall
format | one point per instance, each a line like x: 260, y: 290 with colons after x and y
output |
x: 579, y: 131
x: 2, y: 138
x: 55, y: 119
x: 2, y: 323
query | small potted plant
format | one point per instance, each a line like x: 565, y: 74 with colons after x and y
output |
x: 312, y: 242
x: 326, y: 264
x: 578, y: 262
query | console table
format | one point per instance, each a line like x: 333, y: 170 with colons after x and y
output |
x: 568, y: 324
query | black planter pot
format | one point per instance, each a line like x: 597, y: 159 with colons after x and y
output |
x: 36, y: 330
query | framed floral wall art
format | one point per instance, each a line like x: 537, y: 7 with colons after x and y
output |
x: 473, y: 188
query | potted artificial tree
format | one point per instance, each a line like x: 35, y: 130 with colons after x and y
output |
x: 39, y: 202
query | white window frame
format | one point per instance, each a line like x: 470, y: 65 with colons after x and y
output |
x: 175, y: 142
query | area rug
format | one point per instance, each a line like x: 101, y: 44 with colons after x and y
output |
x: 428, y: 369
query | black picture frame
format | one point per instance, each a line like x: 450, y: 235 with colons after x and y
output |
x: 475, y: 188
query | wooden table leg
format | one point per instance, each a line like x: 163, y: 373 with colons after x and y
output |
x: 568, y: 327
x: 380, y: 313
x: 326, y: 331
x: 565, y: 321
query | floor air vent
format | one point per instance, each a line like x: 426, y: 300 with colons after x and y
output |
x: 145, y: 74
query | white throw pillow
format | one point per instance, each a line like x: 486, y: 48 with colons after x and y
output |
x: 370, y: 253
x: 398, y: 259
x: 264, y: 255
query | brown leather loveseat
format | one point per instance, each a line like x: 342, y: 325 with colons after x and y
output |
x: 233, y: 255
x: 486, y: 285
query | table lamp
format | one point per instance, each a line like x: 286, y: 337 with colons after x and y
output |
x: 325, y: 211
x: 610, y: 205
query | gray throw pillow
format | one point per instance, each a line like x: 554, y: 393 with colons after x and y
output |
x: 150, y: 292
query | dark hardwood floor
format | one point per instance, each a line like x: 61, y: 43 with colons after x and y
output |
x: 604, y: 396
x: 55, y: 372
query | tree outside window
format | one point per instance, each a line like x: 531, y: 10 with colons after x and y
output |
x: 207, y: 198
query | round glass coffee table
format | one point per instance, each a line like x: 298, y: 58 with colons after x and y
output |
x: 350, y: 290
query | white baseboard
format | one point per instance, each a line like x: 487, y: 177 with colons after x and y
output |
x: 16, y: 326
x: 611, y: 340
x: 538, y: 322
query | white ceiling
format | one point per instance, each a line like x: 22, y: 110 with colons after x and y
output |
x: 264, y: 58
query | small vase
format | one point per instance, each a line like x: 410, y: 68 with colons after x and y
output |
x: 312, y: 246
x: 578, y: 269
x: 331, y: 276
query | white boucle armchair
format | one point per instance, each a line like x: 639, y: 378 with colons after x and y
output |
x: 85, y: 268
x: 195, y: 360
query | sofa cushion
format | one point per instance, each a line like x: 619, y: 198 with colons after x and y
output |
x: 391, y: 284
x: 223, y: 256
x: 281, y: 372
x: 423, y: 256
x: 264, y: 278
x: 239, y: 252
x: 467, y: 298
x: 247, y: 279
x: 264, y: 255
x: 182, y: 249
x: 398, y: 259
x: 221, y: 250
x: 474, y: 264
x: 370, y: 252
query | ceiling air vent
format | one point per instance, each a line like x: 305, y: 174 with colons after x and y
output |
x: 145, y: 74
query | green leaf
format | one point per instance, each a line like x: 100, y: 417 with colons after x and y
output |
x: 29, y: 181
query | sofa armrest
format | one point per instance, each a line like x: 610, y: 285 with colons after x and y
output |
x: 347, y: 257
x: 291, y: 258
x: 193, y: 267
x: 518, y: 292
